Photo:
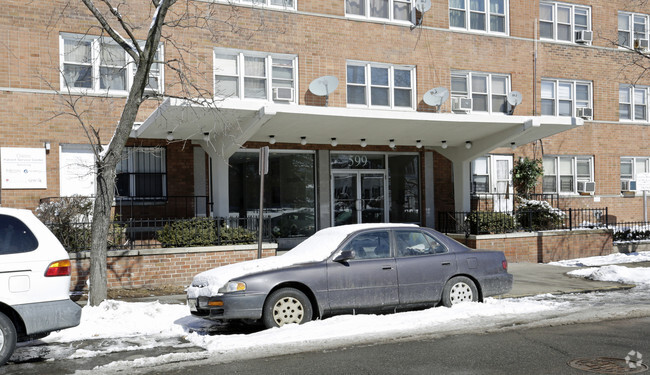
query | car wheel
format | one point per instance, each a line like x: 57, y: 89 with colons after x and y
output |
x: 7, y: 338
x: 286, y: 306
x: 459, y: 289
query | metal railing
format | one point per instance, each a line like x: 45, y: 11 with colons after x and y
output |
x: 178, y: 206
x: 493, y: 201
x: 158, y: 233
x: 483, y: 222
x: 631, y: 231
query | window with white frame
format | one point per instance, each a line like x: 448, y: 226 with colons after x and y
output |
x: 481, y: 175
x: 562, y: 22
x: 391, y: 10
x: 282, y: 4
x: 630, y: 168
x: 479, y: 15
x: 633, y: 103
x: 561, y: 98
x: 632, y: 27
x: 142, y: 173
x: 488, y: 91
x: 380, y: 85
x: 255, y: 75
x: 564, y: 174
x: 97, y: 64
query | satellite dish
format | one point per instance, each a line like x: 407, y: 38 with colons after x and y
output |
x: 324, y: 86
x: 422, y: 5
x: 436, y: 97
x: 514, y: 98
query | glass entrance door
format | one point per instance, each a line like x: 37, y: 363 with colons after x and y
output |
x: 358, y: 197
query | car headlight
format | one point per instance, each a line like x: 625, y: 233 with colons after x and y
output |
x: 233, y: 286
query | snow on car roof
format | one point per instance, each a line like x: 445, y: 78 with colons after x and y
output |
x: 314, y: 249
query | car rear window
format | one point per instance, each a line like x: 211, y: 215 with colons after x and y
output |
x: 15, y: 237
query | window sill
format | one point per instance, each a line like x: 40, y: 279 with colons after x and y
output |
x: 384, y: 21
x: 481, y: 32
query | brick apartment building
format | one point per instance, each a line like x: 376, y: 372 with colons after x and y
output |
x: 374, y: 149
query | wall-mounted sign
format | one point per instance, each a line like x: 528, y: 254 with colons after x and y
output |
x: 23, y: 168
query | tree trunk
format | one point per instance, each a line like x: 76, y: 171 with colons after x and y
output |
x: 100, y: 226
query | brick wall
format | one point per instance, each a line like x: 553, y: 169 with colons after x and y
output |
x: 323, y: 39
x: 148, y: 268
x: 544, y: 247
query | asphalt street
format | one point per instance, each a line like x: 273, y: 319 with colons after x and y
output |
x: 546, y: 350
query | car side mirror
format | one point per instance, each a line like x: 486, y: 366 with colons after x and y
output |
x: 344, y: 256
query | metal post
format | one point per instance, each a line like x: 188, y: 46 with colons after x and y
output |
x: 645, y: 206
x: 263, y: 169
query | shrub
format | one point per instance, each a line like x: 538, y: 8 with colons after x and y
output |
x: 525, y: 175
x: 68, y: 218
x: 636, y: 233
x: 202, y: 232
x: 539, y: 215
x: 480, y: 222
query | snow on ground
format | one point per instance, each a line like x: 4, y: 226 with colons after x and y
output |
x: 117, y: 326
x: 617, y: 274
x: 618, y: 258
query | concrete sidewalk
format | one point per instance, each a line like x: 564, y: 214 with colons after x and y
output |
x: 530, y: 279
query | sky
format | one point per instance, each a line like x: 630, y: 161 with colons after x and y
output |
x: 118, y: 326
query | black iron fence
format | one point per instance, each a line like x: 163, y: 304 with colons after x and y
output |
x: 631, y: 231
x: 484, y: 222
x: 178, y: 206
x: 158, y: 233
x: 505, y: 202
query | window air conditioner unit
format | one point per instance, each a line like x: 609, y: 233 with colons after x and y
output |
x: 586, y: 186
x: 585, y: 113
x: 628, y: 185
x: 641, y: 44
x: 283, y: 94
x: 460, y: 104
x: 584, y: 36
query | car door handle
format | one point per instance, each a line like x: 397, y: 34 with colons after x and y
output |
x: 446, y: 263
x: 387, y: 268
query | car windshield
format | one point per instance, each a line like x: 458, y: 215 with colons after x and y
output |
x: 319, y: 246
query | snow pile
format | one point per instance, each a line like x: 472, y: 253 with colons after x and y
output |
x: 314, y: 249
x: 618, y: 258
x: 123, y: 319
x: 619, y: 274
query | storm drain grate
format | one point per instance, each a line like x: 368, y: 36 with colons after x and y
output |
x: 604, y: 365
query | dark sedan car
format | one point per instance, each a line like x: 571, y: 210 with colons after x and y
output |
x: 351, y: 269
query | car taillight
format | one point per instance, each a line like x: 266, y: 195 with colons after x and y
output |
x: 504, y: 264
x: 59, y: 268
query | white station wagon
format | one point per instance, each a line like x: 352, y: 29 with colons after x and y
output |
x: 34, y: 281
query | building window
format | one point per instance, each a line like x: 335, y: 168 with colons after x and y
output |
x: 488, y: 91
x: 142, y: 173
x: 97, y: 64
x: 630, y: 168
x: 380, y: 85
x: 289, y: 193
x: 633, y: 103
x: 479, y: 15
x: 632, y: 27
x: 561, y: 98
x: 481, y: 175
x: 282, y: 4
x: 566, y: 174
x: 391, y: 10
x: 561, y: 22
x: 254, y: 75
